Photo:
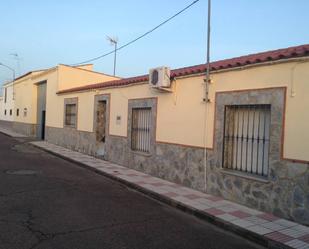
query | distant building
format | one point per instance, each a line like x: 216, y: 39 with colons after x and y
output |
x: 7, y: 104
x: 34, y: 93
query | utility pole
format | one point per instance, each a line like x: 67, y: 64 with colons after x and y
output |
x: 207, y: 81
x: 114, y: 42
x: 208, y: 52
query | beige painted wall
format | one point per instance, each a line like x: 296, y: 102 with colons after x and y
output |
x: 70, y: 77
x: 25, y: 97
x: 67, y: 77
x: 181, y: 114
x: 87, y: 67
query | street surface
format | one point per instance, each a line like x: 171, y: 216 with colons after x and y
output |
x: 49, y: 203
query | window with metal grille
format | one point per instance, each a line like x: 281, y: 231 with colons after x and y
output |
x: 141, y: 123
x: 70, y: 115
x: 246, y: 138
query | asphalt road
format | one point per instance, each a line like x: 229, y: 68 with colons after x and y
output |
x: 49, y: 203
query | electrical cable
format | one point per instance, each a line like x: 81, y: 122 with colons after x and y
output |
x: 139, y: 37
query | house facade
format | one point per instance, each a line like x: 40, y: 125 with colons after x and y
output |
x: 1, y: 107
x: 34, y: 93
x: 247, y: 143
x: 7, y: 104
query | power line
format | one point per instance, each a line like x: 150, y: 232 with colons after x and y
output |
x: 139, y: 37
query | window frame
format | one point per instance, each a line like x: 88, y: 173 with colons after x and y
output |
x: 252, y: 132
x: 139, y: 133
x: 70, y: 102
x: 276, y: 97
x: 143, y: 103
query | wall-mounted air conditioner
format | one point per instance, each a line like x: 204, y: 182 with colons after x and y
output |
x: 160, y: 78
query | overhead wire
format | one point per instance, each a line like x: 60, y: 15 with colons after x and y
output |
x: 139, y: 37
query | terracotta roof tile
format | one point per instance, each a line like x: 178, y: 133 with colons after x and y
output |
x: 279, y: 54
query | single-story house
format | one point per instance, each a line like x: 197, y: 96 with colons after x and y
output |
x: 248, y: 143
x: 247, y: 140
x: 27, y: 99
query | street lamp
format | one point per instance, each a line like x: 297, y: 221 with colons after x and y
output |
x: 1, y: 64
x: 114, y: 42
x: 18, y: 59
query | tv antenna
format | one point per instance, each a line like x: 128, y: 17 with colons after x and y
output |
x: 113, y: 41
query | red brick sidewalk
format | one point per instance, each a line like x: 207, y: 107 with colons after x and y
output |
x: 262, y: 227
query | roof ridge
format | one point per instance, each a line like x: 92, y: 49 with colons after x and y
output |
x: 76, y: 67
x: 250, y: 59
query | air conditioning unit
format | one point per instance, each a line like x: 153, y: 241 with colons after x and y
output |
x: 160, y: 78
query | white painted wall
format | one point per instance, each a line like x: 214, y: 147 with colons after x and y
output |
x: 7, y: 103
x: 1, y: 107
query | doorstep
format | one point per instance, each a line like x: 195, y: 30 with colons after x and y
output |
x: 263, y: 228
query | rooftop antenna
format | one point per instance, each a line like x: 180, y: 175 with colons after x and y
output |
x: 113, y: 41
x: 18, y: 59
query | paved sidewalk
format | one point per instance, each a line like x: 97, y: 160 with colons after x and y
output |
x: 261, y: 227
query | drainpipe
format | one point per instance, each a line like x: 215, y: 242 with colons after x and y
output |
x: 292, y: 83
x: 207, y: 81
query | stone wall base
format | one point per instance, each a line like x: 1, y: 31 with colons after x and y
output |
x: 25, y: 129
x: 180, y: 164
x: 6, y: 124
x: 73, y: 139
x: 284, y: 193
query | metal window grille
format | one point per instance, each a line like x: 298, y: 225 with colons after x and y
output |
x: 246, y: 138
x: 70, y: 115
x: 141, y: 123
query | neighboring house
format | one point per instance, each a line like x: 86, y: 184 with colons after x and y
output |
x: 24, y: 114
x: 7, y: 111
x: 35, y: 92
x: 254, y: 129
x: 1, y: 107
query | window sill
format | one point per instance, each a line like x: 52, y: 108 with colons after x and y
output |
x: 70, y: 127
x: 146, y: 154
x: 245, y: 175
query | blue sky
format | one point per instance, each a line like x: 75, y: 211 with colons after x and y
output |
x: 45, y: 33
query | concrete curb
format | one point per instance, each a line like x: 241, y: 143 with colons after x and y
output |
x: 254, y: 237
